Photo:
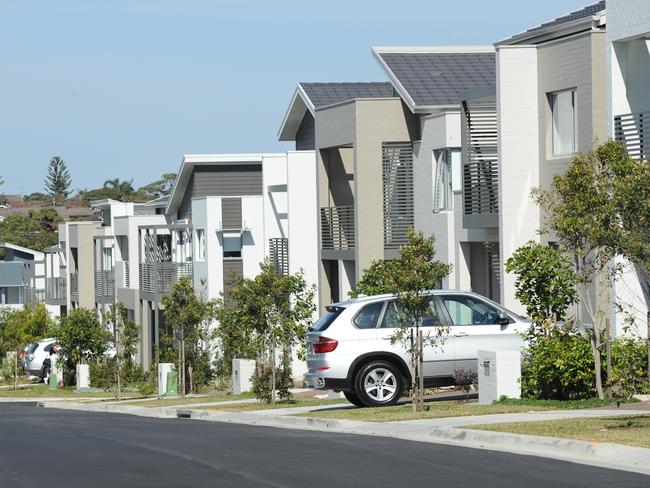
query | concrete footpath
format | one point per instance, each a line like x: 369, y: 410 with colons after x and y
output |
x: 441, y: 430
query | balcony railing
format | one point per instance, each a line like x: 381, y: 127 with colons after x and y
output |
x: 337, y: 228
x: 104, y: 285
x: 74, y: 287
x: 122, y: 274
x: 55, y: 290
x: 630, y: 130
x: 160, y: 277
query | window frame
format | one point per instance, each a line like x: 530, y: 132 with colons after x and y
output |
x: 200, y: 243
x: 442, y: 316
x: 552, y: 97
x: 379, y: 319
x: 487, y: 303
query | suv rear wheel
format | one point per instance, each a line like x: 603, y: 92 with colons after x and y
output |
x: 353, y: 398
x: 378, y: 384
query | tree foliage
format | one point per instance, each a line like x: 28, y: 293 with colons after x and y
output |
x: 273, y: 313
x: 37, y: 229
x: 82, y: 336
x: 57, y: 181
x: 545, y: 284
x: 410, y: 277
x: 189, y: 316
x: 124, y: 341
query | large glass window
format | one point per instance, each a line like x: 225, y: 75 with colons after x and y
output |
x: 465, y: 310
x: 446, y: 178
x: 563, y: 122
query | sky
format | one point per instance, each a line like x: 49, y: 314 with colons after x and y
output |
x: 124, y: 88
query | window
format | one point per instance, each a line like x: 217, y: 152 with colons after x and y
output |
x: 393, y: 311
x: 563, y: 122
x: 200, y: 244
x: 446, y: 178
x: 368, y: 317
x: 465, y: 310
x: 326, y: 320
x: 232, y: 246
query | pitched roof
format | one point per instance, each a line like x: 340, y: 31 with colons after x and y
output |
x: 311, y: 96
x: 559, y: 22
x: 429, y: 78
x: 323, y: 94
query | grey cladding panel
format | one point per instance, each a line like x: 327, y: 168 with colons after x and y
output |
x: 231, y: 213
x: 221, y: 181
x: 232, y: 268
x: 306, y: 135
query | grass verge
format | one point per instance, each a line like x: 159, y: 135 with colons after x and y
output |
x: 176, y: 401
x: 630, y: 430
x: 296, y: 402
x: 444, y: 409
x: 37, y: 391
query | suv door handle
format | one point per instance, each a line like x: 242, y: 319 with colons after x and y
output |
x: 461, y: 334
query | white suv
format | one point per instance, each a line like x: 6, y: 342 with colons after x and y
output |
x: 349, y: 348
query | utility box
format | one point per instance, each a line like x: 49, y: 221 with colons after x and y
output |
x: 163, y: 369
x: 83, y: 377
x: 242, y: 371
x: 499, y: 374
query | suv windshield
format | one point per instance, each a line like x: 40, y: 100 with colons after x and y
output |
x: 326, y: 319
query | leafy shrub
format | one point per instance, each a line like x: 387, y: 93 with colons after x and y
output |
x: 102, y: 375
x: 465, y: 379
x: 558, y: 367
x: 262, y: 382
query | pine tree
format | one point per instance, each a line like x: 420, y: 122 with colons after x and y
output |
x: 57, y: 181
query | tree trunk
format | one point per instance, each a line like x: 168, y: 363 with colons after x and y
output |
x: 183, y: 365
x: 189, y: 371
x: 414, y: 372
x: 117, y: 359
x: 272, y: 361
x: 595, y: 347
x: 648, y: 326
x: 421, y: 371
x: 608, y: 357
x: 15, y: 370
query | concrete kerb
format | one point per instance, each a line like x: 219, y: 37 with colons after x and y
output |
x: 613, y: 456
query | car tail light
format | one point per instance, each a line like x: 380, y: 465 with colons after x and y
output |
x: 324, y: 344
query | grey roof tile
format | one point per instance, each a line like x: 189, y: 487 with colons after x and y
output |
x: 440, y: 78
x: 322, y: 94
x: 582, y: 13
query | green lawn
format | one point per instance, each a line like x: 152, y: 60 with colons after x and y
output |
x: 630, y: 430
x: 296, y: 402
x: 41, y: 390
x: 451, y: 409
x: 171, y: 402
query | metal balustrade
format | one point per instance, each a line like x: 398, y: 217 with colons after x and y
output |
x: 337, y: 228
x: 160, y: 277
x: 74, y: 287
x: 104, y: 285
x: 55, y: 290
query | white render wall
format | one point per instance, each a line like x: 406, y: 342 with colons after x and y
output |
x: 518, y: 131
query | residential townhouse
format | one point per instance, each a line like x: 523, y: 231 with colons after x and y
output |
x: 378, y: 146
x: 22, y: 276
x: 628, y: 51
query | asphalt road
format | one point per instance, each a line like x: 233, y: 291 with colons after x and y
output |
x: 49, y: 448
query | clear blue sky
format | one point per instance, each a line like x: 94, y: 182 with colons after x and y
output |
x: 124, y: 88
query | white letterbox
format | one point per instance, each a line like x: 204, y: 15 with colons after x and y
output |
x: 242, y: 372
x: 499, y: 374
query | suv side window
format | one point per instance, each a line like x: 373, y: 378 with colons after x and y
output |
x: 465, y: 310
x: 392, y: 315
x: 368, y: 316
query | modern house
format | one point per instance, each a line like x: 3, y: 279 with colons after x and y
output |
x: 22, y: 276
x: 385, y: 153
x: 628, y: 50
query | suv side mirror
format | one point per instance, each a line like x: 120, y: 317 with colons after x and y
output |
x: 503, y: 318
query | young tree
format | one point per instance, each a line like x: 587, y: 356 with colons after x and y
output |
x: 546, y: 283
x: 188, y: 314
x: 276, y: 310
x: 411, y: 277
x: 581, y: 212
x: 124, y: 341
x: 57, y: 181
x: 82, y: 336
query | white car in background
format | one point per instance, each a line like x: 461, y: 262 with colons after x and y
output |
x: 349, y: 348
x: 35, y: 355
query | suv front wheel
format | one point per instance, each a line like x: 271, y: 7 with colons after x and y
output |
x: 378, y: 384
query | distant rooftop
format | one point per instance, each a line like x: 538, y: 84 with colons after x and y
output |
x: 323, y: 94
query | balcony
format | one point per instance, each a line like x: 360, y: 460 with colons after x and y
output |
x: 122, y: 274
x: 159, y: 277
x: 55, y: 291
x: 104, y: 286
x: 629, y: 130
x: 337, y: 229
